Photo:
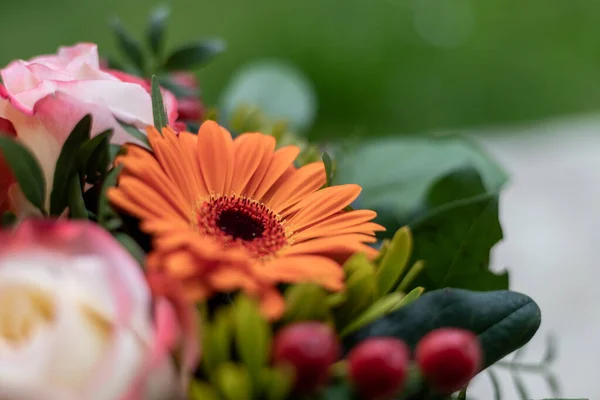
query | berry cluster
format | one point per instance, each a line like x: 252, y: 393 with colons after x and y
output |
x: 378, y: 367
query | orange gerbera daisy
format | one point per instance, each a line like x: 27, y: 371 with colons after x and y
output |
x: 230, y: 215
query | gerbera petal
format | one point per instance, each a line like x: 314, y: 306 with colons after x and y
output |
x: 357, y: 221
x: 367, y: 228
x: 268, y: 144
x: 141, y: 164
x: 322, y: 204
x: 305, y: 269
x: 173, y: 161
x: 272, y: 304
x: 335, y: 245
x: 228, y: 279
x: 281, y: 161
x: 249, y: 150
x: 144, y: 198
x: 289, y: 190
x: 236, y: 215
x: 215, y: 157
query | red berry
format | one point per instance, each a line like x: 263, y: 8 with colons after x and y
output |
x: 448, y: 358
x: 378, y: 367
x: 310, y: 348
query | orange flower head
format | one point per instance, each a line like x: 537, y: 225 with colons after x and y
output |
x: 236, y: 214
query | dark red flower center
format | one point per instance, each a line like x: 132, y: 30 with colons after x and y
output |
x: 237, y: 220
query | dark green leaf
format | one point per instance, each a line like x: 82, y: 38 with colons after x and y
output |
x: 106, y: 215
x: 94, y: 157
x: 26, y: 169
x: 193, y: 54
x: 339, y: 391
x: 66, y: 166
x: 8, y: 219
x: 156, y: 29
x: 178, y: 90
x: 329, y: 171
x: 135, y: 132
x: 76, y: 204
x: 158, y: 106
x: 503, y: 320
x: 132, y: 247
x: 455, y: 238
x: 395, y: 173
x: 114, y: 150
x: 130, y: 47
x: 193, y: 127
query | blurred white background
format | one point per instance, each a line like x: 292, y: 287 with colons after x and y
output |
x: 550, y: 214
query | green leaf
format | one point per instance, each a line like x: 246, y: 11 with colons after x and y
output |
x: 394, y: 261
x: 8, y: 219
x: 329, y: 171
x: 455, y: 239
x: 27, y: 171
x: 132, y: 247
x: 411, y: 275
x: 378, y: 309
x: 136, y: 133
x: 194, y: 54
x: 305, y: 302
x: 217, y: 336
x: 277, y: 383
x: 409, y: 298
x: 156, y: 29
x: 234, y: 381
x: 280, y: 91
x: 76, y: 204
x: 178, y: 90
x: 503, y: 320
x: 114, y: 150
x: 338, y: 391
x: 130, y: 47
x: 360, y: 292
x: 94, y: 157
x: 106, y: 215
x: 199, y: 390
x: 252, y: 336
x: 396, y: 172
x: 158, y: 106
x: 66, y: 165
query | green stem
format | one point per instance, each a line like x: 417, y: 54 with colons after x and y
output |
x: 411, y: 275
x: 522, y: 366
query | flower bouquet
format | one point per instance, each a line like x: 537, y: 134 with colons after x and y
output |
x: 154, y: 249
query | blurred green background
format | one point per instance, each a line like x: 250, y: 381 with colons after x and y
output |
x: 378, y: 66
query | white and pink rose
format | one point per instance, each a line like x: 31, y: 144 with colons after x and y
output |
x: 77, y: 320
x: 43, y: 98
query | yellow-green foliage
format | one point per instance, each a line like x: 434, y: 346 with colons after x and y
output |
x: 239, y: 328
x: 372, y: 287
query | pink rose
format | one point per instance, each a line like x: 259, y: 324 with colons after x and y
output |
x: 46, y: 96
x: 77, y: 320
